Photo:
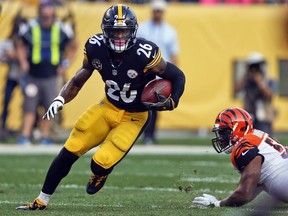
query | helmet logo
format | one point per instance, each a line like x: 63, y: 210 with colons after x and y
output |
x: 119, y: 21
x: 115, y: 18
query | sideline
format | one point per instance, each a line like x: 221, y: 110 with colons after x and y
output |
x: 137, y: 149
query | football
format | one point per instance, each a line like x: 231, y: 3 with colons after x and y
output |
x: 161, y: 86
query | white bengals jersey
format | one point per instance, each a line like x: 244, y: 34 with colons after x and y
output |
x: 274, y: 171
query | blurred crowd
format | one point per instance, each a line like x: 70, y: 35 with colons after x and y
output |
x: 37, y: 53
x: 17, y: 53
x: 202, y: 1
x: 205, y: 2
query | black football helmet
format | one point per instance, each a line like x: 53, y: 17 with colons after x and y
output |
x: 119, y: 26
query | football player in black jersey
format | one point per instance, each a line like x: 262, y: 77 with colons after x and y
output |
x: 126, y: 64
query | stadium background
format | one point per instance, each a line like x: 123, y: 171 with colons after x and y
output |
x: 211, y: 39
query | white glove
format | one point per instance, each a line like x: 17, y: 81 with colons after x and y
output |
x: 206, y: 200
x: 56, y: 105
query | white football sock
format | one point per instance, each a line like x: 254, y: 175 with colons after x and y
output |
x: 44, y: 197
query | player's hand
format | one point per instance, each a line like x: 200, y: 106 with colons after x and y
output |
x: 162, y: 104
x: 56, y: 105
x: 206, y: 200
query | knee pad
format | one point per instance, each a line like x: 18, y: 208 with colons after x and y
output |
x: 98, y: 170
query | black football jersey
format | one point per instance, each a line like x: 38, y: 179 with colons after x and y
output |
x: 125, y: 79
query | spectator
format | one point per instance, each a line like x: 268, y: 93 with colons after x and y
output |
x: 258, y: 90
x: 231, y: 2
x: 41, y: 49
x: 8, y: 56
x: 165, y: 36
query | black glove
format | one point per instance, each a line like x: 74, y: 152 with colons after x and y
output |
x: 162, y: 104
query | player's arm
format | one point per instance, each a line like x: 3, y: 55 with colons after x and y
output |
x: 246, y: 189
x: 70, y: 90
x: 245, y: 192
x: 176, y: 76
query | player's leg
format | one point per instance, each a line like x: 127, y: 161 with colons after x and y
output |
x: 81, y: 140
x: 114, y: 148
x: 58, y: 169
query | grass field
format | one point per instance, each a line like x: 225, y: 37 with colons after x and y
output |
x: 139, y: 185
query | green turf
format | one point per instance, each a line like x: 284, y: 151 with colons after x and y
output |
x: 190, y: 139
x: 139, y: 185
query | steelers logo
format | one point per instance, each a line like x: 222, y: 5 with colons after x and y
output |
x: 97, y: 64
x: 132, y: 73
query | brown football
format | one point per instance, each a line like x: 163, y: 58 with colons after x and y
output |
x: 161, y: 86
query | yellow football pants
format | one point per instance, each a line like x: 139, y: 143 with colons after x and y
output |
x: 104, y: 123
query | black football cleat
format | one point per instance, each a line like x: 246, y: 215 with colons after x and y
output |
x: 36, y: 205
x: 95, y: 183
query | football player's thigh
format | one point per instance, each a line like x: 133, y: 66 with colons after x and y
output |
x: 89, y: 131
x: 119, y: 141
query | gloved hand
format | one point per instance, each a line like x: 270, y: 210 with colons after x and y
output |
x: 56, y: 105
x: 162, y: 104
x: 206, y: 200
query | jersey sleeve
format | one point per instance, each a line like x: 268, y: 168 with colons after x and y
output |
x: 155, y: 60
x: 149, y: 52
x: 243, y: 154
x: 93, y: 49
x: 88, y: 52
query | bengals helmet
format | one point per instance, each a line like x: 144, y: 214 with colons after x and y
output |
x: 230, y: 125
x: 119, y: 26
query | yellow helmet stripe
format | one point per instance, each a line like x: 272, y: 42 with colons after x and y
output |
x: 120, y: 13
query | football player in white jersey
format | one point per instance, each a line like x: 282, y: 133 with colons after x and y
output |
x: 261, y: 160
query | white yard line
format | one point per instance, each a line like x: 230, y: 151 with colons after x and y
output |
x: 82, y: 187
x: 138, y: 149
